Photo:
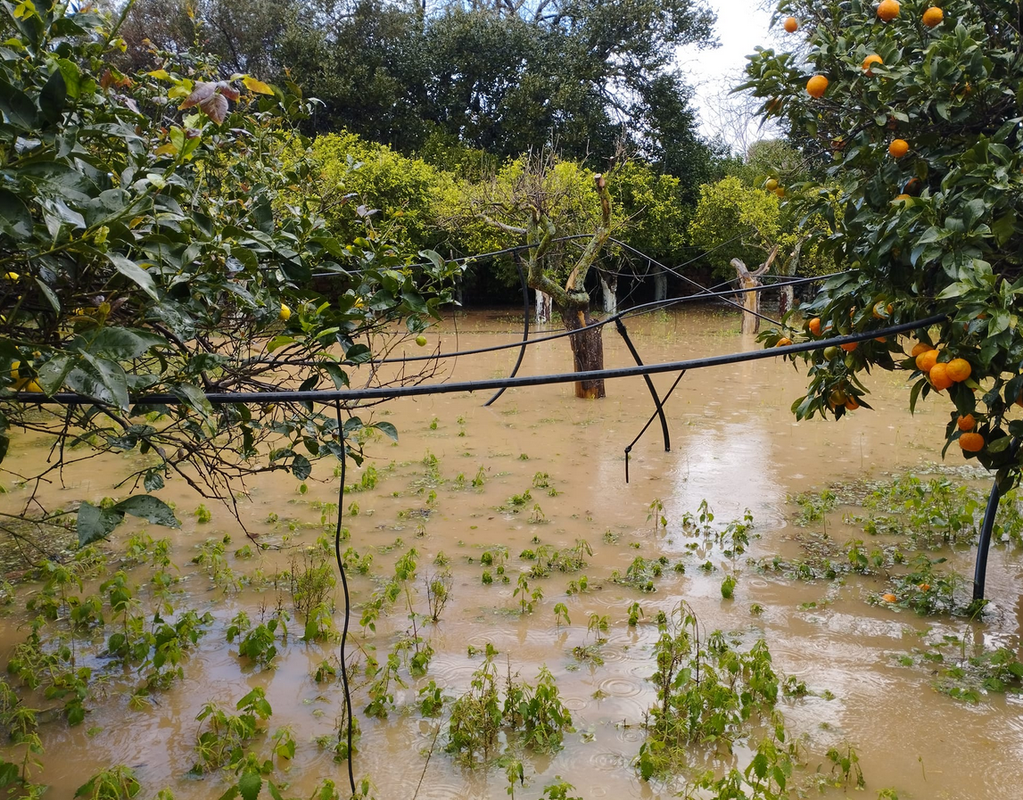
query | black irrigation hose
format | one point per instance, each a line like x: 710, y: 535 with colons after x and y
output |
x: 525, y: 330
x: 649, y: 422
x: 389, y: 392
x: 984, y: 545
x: 348, y: 603
x: 620, y: 326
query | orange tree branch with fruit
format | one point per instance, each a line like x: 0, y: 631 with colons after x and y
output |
x: 912, y: 113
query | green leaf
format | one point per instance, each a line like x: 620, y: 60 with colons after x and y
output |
x: 94, y: 523
x: 149, y: 508
x: 100, y: 379
x: 123, y: 344
x: 15, y: 218
x: 387, y: 429
x: 134, y: 273
x: 301, y: 468
x: 48, y: 293
x: 153, y: 480
x: 278, y: 342
x: 196, y: 399
x: 954, y: 290
x: 8, y: 773
x: 52, y: 97
x: 250, y: 784
x: 18, y: 107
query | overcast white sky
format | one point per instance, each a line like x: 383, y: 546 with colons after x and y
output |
x: 741, y: 26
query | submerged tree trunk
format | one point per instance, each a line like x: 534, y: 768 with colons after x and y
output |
x: 587, y: 350
x: 609, y: 286
x: 660, y: 285
x: 544, y: 305
x: 785, y: 294
x: 749, y: 282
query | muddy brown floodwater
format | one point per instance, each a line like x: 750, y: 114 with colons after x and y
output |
x: 735, y: 445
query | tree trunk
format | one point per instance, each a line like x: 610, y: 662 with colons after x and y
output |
x: 543, y: 308
x: 587, y: 350
x: 609, y: 285
x: 750, y: 300
x: 785, y: 297
x: 660, y: 285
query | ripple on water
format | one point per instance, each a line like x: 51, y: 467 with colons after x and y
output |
x: 628, y: 697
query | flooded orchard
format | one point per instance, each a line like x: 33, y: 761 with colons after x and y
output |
x: 514, y: 526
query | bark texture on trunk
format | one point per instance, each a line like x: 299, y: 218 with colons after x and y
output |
x: 660, y: 285
x: 544, y: 305
x: 587, y: 350
x: 751, y: 299
x: 609, y: 286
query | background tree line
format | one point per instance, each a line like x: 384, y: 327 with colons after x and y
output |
x: 437, y: 107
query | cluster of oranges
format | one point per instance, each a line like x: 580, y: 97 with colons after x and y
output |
x: 772, y: 185
x: 942, y: 375
x: 887, y: 10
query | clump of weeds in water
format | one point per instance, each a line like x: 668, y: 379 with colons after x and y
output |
x: 547, y: 559
x: 712, y: 697
x: 311, y: 583
x: 706, y: 691
x: 222, y: 736
x: 656, y: 513
x: 641, y: 573
x: 116, y: 783
x: 531, y: 714
x: 590, y: 651
x: 527, y: 599
x: 967, y: 671
x: 814, y: 507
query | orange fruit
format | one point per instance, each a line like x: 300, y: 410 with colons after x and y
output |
x: 924, y: 587
x: 971, y: 442
x: 792, y: 25
x: 851, y: 403
x: 780, y: 191
x: 850, y: 346
x: 870, y: 60
x: 898, y: 148
x: 959, y: 369
x: 771, y: 184
x: 814, y: 326
x: 933, y: 17
x: 784, y: 341
x: 817, y: 86
x: 939, y: 377
x: 837, y: 398
x: 888, y: 10
x: 921, y: 347
x: 926, y: 360
x: 967, y: 423
x: 889, y: 598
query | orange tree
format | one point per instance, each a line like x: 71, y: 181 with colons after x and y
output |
x: 921, y: 146
x: 148, y: 246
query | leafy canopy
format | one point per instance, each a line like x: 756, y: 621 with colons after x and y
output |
x: 149, y: 245
x: 935, y: 230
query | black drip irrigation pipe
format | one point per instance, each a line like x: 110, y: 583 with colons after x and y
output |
x: 649, y: 422
x: 984, y: 546
x: 620, y: 326
x: 348, y: 603
x: 391, y: 392
x: 525, y: 330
